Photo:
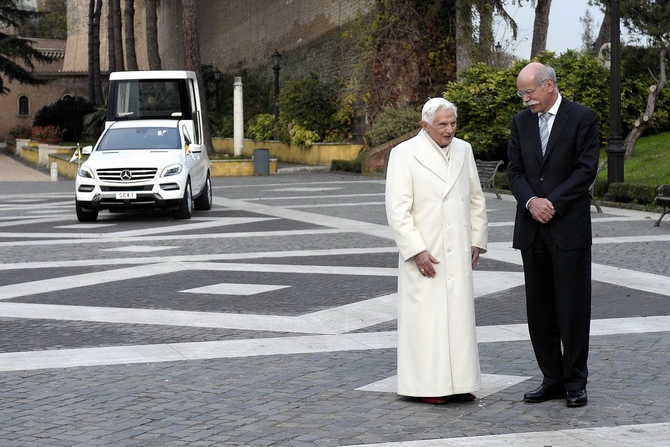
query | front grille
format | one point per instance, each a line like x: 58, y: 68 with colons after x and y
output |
x: 126, y: 188
x: 137, y: 174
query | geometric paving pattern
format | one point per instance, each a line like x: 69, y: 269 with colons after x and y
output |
x: 270, y: 320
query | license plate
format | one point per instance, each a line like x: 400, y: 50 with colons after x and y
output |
x: 126, y: 195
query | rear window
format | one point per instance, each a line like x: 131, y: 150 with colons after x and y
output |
x: 140, y: 138
x: 142, y: 99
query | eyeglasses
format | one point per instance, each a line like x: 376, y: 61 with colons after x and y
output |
x: 521, y: 94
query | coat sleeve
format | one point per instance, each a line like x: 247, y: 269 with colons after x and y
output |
x: 478, y: 218
x: 399, y: 201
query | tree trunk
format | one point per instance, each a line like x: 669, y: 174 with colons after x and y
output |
x: 118, y: 35
x: 485, y: 53
x: 111, y: 54
x: 540, y: 27
x: 91, y: 33
x: 464, y: 42
x: 152, y: 35
x: 97, y: 83
x: 192, y: 62
x: 645, y: 121
x: 129, y: 16
x: 605, y: 31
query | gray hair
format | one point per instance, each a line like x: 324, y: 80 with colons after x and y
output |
x: 544, y: 73
x: 429, y: 110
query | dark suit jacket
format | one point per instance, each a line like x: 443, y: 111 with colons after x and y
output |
x: 563, y: 175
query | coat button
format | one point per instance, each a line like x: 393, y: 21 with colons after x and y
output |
x: 541, y: 179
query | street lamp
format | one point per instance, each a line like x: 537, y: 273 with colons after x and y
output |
x: 615, y: 149
x: 276, y: 59
x: 217, y: 78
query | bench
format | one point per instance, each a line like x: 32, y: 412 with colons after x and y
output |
x: 662, y: 198
x: 592, y: 188
x: 487, y: 175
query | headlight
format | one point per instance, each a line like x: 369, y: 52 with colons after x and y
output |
x: 172, y: 170
x: 85, y: 172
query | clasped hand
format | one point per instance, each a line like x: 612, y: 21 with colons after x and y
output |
x: 542, y: 210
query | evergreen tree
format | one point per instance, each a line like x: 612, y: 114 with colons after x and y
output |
x: 17, y: 55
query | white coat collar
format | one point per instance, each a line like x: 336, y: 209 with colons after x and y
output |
x: 426, y: 154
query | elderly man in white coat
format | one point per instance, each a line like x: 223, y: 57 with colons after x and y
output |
x: 437, y: 212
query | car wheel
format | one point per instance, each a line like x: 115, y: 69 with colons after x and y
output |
x: 85, y: 215
x: 204, y: 201
x: 185, y: 210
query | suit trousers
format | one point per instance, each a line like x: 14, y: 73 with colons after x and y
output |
x: 558, y: 306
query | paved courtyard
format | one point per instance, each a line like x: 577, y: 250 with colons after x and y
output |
x: 270, y: 321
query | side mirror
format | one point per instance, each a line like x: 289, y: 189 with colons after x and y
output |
x: 187, y: 137
x: 86, y: 150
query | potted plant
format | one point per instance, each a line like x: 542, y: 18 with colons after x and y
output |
x: 20, y: 131
x: 47, y: 134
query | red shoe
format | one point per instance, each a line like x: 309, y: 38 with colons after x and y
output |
x: 434, y: 400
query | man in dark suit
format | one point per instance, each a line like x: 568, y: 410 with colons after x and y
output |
x: 553, y: 159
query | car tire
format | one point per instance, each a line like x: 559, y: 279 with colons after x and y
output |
x: 85, y: 215
x: 185, y: 210
x: 204, y: 200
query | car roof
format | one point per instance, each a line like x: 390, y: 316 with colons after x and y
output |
x: 135, y: 124
x: 151, y: 74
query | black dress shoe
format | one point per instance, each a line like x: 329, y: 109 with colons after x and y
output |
x: 577, y: 398
x: 544, y: 393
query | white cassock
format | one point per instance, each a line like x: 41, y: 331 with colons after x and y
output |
x: 434, y: 202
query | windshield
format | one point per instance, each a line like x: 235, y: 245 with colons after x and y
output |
x: 140, y: 138
x: 141, y: 99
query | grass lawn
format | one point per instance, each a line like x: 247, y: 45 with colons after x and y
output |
x: 650, y: 164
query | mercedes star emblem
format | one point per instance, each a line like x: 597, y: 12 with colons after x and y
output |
x: 126, y: 175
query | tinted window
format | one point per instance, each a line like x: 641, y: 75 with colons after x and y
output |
x: 148, y: 99
x: 140, y: 138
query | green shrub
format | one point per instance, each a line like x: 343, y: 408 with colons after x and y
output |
x: 486, y: 97
x: 68, y: 114
x: 94, y: 123
x: 346, y: 165
x: 261, y: 127
x: 392, y: 124
x: 632, y: 193
x: 225, y: 127
x: 600, y: 187
x: 313, y: 105
x: 302, y: 136
x: 502, y: 182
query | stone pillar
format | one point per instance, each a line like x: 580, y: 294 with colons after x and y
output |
x: 238, y: 118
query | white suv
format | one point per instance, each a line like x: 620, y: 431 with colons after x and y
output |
x: 152, y: 153
x: 144, y: 165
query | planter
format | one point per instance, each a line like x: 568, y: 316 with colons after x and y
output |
x: 48, y: 140
x: 234, y: 168
x: 22, y: 136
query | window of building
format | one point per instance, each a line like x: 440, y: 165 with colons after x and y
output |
x: 24, y: 105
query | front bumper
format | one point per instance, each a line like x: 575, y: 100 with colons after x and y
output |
x: 149, y: 196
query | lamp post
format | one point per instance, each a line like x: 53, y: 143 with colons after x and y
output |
x: 217, y: 78
x: 276, y: 59
x: 498, y: 49
x: 615, y: 149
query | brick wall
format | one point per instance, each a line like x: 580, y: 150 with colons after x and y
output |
x: 59, y: 85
